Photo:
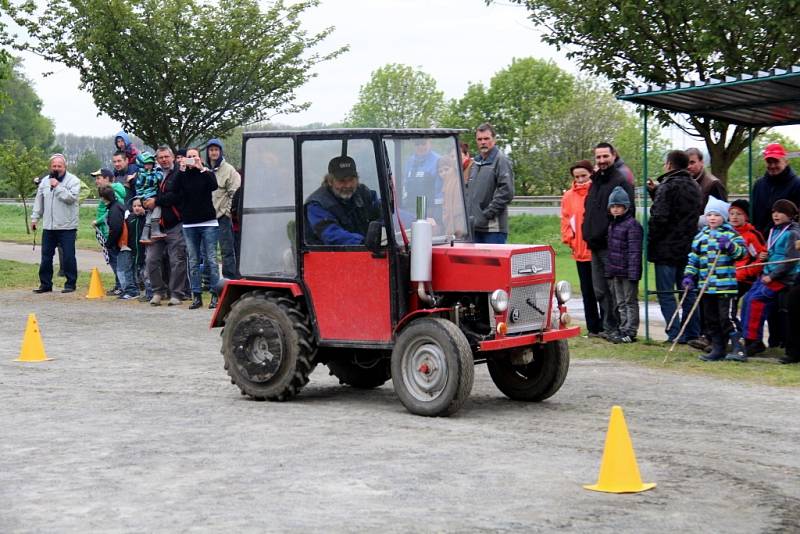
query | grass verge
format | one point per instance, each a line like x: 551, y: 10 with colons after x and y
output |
x: 12, y: 227
x: 16, y: 275
x: 684, y: 360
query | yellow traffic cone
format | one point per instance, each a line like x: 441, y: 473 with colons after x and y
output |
x: 618, y: 470
x: 32, y: 346
x: 96, y: 290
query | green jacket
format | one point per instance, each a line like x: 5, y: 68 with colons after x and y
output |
x: 102, y: 209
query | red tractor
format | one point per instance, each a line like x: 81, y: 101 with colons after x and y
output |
x: 415, y: 301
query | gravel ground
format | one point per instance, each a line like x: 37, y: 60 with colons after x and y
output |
x: 135, y: 427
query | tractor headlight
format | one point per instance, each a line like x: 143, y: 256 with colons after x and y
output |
x: 499, y: 301
x: 563, y: 291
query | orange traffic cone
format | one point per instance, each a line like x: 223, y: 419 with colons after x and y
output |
x: 32, y: 346
x: 618, y: 470
x: 96, y: 290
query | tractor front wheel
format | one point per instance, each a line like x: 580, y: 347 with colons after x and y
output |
x: 535, y: 381
x: 268, y: 346
x: 432, y: 367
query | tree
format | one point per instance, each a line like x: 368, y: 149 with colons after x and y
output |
x: 19, y: 165
x: 22, y: 118
x: 87, y: 163
x: 397, y: 96
x: 185, y: 70
x: 670, y: 41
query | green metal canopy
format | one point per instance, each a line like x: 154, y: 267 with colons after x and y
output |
x: 762, y: 99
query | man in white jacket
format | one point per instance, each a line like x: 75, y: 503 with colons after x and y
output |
x: 228, y: 181
x: 56, y: 211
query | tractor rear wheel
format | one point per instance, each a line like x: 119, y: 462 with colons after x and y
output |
x: 360, y: 370
x: 432, y: 367
x: 268, y: 346
x: 536, y: 381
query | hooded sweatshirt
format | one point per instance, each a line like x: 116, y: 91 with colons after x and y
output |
x: 572, y: 210
x: 228, y: 180
x: 130, y: 150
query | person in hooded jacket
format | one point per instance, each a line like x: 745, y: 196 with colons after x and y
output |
x: 572, y: 210
x: 623, y: 267
x: 228, y: 182
x: 122, y: 143
x: 595, y: 228
x: 671, y: 227
x: 118, y: 241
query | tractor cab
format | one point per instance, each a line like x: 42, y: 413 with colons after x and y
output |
x: 357, y: 254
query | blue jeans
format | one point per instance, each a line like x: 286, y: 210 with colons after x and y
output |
x: 113, y: 253
x: 66, y: 240
x: 498, y: 238
x: 126, y: 273
x: 227, y: 248
x: 668, y: 278
x: 201, y: 245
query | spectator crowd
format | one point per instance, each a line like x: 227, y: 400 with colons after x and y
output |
x: 159, y: 221
x: 702, y: 247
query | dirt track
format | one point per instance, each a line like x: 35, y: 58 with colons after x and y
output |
x: 125, y: 433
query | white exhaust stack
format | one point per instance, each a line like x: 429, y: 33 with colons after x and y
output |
x: 421, y: 251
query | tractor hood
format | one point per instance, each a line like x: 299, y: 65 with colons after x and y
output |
x: 484, y: 267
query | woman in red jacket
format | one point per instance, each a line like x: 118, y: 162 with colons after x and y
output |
x: 572, y: 209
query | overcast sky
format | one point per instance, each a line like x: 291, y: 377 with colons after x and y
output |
x: 455, y: 41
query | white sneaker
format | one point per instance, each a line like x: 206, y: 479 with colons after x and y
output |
x: 156, y: 300
x: 174, y: 301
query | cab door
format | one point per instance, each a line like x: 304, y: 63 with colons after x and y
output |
x: 348, y: 286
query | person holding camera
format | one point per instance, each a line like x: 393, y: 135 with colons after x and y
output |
x: 56, y: 206
x: 195, y: 184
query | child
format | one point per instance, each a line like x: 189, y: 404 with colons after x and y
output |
x: 135, y: 221
x: 759, y: 301
x: 122, y: 142
x: 118, y: 242
x: 719, y: 242
x: 624, y: 264
x: 147, y: 181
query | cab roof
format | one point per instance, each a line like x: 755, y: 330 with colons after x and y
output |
x: 352, y: 132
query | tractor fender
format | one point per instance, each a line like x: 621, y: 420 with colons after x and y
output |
x: 234, y: 289
x: 418, y: 313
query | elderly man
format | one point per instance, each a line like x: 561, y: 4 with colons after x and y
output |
x: 490, y: 189
x: 340, y: 210
x: 779, y: 182
x: 56, y: 205
x: 173, y: 247
x: 709, y: 184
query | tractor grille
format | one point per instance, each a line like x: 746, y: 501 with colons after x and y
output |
x: 531, y: 263
x: 522, y: 316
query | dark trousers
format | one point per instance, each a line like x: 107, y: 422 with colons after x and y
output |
x: 174, y: 249
x: 490, y: 237
x: 625, y: 294
x: 66, y: 240
x: 227, y: 248
x: 718, y: 322
x: 594, y: 320
x: 603, y: 293
x: 793, y: 318
x: 668, y: 279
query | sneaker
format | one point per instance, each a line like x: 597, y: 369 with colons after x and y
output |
x: 113, y: 292
x: 627, y: 339
x: 174, y: 301
x: 143, y: 298
x: 126, y: 296
x: 156, y: 300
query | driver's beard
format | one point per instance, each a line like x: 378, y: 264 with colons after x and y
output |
x: 343, y: 196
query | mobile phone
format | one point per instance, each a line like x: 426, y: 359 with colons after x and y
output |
x: 189, y: 162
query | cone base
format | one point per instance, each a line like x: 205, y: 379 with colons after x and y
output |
x: 94, y: 296
x: 21, y: 359
x: 606, y: 489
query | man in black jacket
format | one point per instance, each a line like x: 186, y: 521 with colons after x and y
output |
x: 671, y: 228
x: 174, y: 246
x: 595, y: 228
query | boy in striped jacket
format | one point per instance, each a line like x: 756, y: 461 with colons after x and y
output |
x: 717, y: 242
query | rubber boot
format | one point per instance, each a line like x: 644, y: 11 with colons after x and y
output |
x: 145, y: 239
x: 737, y: 349
x: 213, y: 303
x: 157, y: 233
x: 717, y: 350
x: 197, y: 301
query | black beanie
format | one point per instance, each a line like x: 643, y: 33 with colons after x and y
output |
x: 787, y: 207
x: 743, y: 205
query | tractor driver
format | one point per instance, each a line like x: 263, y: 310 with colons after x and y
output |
x: 340, y: 210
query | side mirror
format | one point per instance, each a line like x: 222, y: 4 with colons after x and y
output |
x: 373, y: 238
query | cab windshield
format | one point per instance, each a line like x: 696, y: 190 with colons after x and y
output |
x: 429, y: 167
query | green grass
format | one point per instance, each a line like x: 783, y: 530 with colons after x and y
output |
x: 684, y: 360
x: 16, y: 275
x: 12, y: 226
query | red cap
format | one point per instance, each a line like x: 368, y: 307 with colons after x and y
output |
x: 775, y: 151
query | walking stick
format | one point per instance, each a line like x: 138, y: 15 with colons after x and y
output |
x: 679, y: 308
x: 694, y: 306
x: 34, y: 238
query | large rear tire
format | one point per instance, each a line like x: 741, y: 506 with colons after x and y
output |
x: 536, y: 381
x: 361, y: 370
x: 432, y: 367
x: 268, y: 346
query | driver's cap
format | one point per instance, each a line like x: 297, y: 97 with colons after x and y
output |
x: 342, y: 167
